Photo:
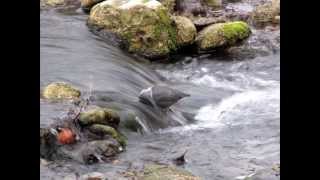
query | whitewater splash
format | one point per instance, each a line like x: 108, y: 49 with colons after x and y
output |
x: 229, y: 110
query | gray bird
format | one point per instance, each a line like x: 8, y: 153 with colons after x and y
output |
x: 161, y: 96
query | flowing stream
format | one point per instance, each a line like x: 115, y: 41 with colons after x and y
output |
x: 230, y: 124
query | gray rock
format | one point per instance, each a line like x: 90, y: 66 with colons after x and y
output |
x: 161, y: 96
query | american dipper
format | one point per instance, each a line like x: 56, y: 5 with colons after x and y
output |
x: 161, y: 96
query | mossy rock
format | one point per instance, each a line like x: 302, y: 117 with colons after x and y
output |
x: 60, y: 90
x: 266, y: 14
x: 102, y: 116
x: 144, y: 26
x: 222, y: 35
x: 107, y: 130
x: 186, y: 30
x: 163, y: 172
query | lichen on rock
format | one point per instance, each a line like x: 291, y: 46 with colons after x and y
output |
x: 222, y: 35
x: 186, y: 30
x: 60, y: 90
x: 144, y: 26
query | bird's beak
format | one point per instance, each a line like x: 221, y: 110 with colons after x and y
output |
x: 53, y: 131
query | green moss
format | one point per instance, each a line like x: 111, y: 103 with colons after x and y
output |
x: 235, y: 30
x: 148, y: 32
x: 107, y: 130
x: 222, y: 35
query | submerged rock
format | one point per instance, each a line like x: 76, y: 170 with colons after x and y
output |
x: 162, y: 172
x: 100, y: 150
x: 102, y: 116
x: 186, y: 31
x: 60, y: 90
x: 222, y: 35
x: 144, y: 26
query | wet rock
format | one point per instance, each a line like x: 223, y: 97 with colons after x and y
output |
x: 60, y: 91
x: 186, y: 31
x: 100, y: 116
x: 161, y: 96
x: 201, y: 22
x: 268, y: 13
x: 86, y: 5
x: 262, y: 42
x: 163, y: 172
x: 222, y: 35
x: 144, y: 26
x: 100, y: 150
x: 48, y: 146
x: 107, y: 130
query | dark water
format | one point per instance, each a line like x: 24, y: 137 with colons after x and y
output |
x: 234, y: 101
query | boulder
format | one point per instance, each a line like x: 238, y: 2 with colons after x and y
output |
x: 60, y: 90
x: 222, y: 35
x: 102, y: 116
x: 186, y: 31
x: 144, y: 26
